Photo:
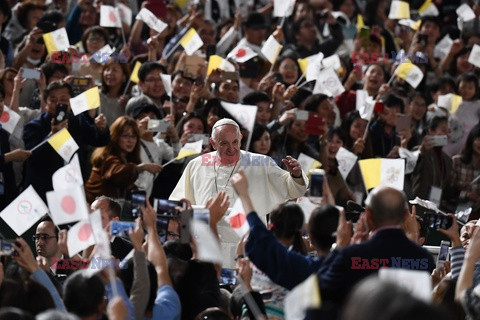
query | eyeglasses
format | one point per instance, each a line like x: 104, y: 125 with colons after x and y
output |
x: 184, y: 100
x: 173, y: 235
x: 42, y: 236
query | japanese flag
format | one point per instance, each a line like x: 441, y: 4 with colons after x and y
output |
x: 67, y: 205
x: 110, y: 17
x: 24, y: 211
x: 102, y: 243
x: 125, y: 13
x: 80, y: 237
x: 237, y: 219
x: 242, y: 53
x: 68, y: 175
x: 9, y: 119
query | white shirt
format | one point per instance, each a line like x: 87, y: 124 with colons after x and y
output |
x: 268, y: 184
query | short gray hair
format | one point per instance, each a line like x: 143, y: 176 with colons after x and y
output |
x: 223, y: 122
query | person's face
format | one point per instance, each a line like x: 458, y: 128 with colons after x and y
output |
x: 307, y: 32
x: 127, y: 140
x: 8, y: 81
x: 441, y: 130
x: 263, y: 112
x: 212, y: 118
x: 389, y: 115
x: 333, y: 145
x: 102, y: 205
x: 254, y: 36
x: 467, y: 90
x: 263, y: 145
x: 57, y: 76
x: 32, y: 18
x: 357, y: 129
x: 227, y: 143
x: 463, y: 66
x: 289, y: 71
x: 374, y: 78
x: 88, y: 16
x: 47, y: 248
x: 181, y: 86
x: 207, y: 34
x: 348, y: 7
x: 58, y: 96
x: 431, y: 30
x: 180, y: 105
x: 228, y: 91
x: 153, y: 85
x: 173, y: 230
x: 466, y: 233
x: 193, y: 126
x: 297, y: 131
x: 95, y: 42
x: 37, y: 51
x: 325, y: 110
x: 476, y: 146
x: 113, y: 75
x: 418, y: 108
x: 473, y: 40
x: 303, y: 10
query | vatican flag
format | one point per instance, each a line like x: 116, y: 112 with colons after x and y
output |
x: 428, y: 9
x: 410, y: 73
x: 64, y: 144
x: 191, y: 41
x: 386, y: 172
x: 87, y: 100
x: 399, y: 10
x: 56, y: 40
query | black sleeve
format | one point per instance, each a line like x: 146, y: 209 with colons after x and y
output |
x: 329, y: 46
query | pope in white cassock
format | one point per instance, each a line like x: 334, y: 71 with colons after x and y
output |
x: 209, y: 174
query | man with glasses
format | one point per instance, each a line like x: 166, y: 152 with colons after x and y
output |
x: 46, y: 242
x: 84, y: 129
x: 151, y: 85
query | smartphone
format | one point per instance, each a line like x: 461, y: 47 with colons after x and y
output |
x: 201, y: 136
x: 30, y: 74
x: 228, y: 277
x: 402, y: 122
x: 168, y: 208
x: 60, y: 112
x: 139, y: 198
x: 364, y: 35
x: 186, y: 219
x: 437, y: 220
x: 162, y: 228
x: 443, y: 254
x: 202, y: 215
x: 438, y: 141
x: 121, y: 228
x: 6, y: 247
x: 301, y: 115
x: 79, y: 85
x: 316, y: 182
x: 277, y: 77
x: 158, y: 125
x: 314, y: 125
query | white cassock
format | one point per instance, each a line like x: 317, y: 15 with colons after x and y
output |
x: 268, y: 184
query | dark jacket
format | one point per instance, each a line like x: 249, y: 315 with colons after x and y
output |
x: 44, y: 161
x: 9, y: 186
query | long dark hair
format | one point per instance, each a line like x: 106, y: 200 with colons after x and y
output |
x: 286, y: 222
x: 467, y: 152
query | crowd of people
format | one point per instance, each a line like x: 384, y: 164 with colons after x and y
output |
x: 155, y: 100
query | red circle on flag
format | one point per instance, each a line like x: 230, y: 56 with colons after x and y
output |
x: 5, y: 117
x: 68, y: 204
x: 241, y: 53
x: 85, y: 232
x: 238, y: 220
x: 112, y: 16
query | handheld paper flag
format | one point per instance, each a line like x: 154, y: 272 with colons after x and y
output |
x: 238, y: 219
x: 80, y: 237
x: 328, y: 83
x: 102, y: 244
x: 360, y: 22
x: 151, y: 20
x: 465, y: 13
x: 428, y: 9
x: 217, y: 62
x: 410, y: 73
x: 110, y: 17
x: 64, y: 144
x: 68, y: 175
x: 167, y: 83
x: 9, y: 119
x: 303, y: 297
x: 134, y: 75
x: 410, y: 157
x: 190, y: 149
x: 283, y: 8
x: 346, y: 160
x: 308, y: 163
x: 242, y: 54
x: 125, y: 13
x: 87, y: 100
x: 387, y: 172
x: 271, y: 48
x: 56, y: 40
x: 208, y: 248
x: 450, y: 101
x: 410, y: 23
x: 443, y: 47
x: 399, y: 10
x: 103, y: 55
x: 311, y: 66
x: 417, y: 282
x: 474, y: 57
x: 245, y: 115
x: 332, y: 61
x: 24, y: 211
x: 67, y: 205
x: 364, y: 104
x: 191, y: 41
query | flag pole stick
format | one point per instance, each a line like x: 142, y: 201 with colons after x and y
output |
x: 123, y: 33
x: 391, y: 79
x: 126, y: 87
x: 300, y: 79
x: 172, y: 51
x: 38, y: 145
x: 303, y: 84
x: 282, y: 21
x: 166, y: 164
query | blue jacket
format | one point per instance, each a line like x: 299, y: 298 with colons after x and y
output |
x: 44, y: 161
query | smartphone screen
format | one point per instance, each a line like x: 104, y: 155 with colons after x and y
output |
x: 162, y: 228
x: 228, y: 277
x: 316, y: 183
x: 121, y: 228
x: 31, y: 74
x: 6, y: 247
x: 443, y: 254
x: 167, y: 207
x: 138, y: 198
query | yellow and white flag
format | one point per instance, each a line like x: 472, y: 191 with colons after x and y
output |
x: 450, y: 101
x: 386, y: 172
x: 134, y: 75
x: 308, y: 163
x: 410, y: 73
x: 271, y: 49
x: 190, y: 149
x: 191, y: 41
x: 110, y: 17
x: 399, y: 10
x: 428, y: 9
x: 217, y: 62
x: 151, y: 20
x: 64, y: 144
x: 87, y: 100
x: 56, y: 40
x: 311, y: 66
